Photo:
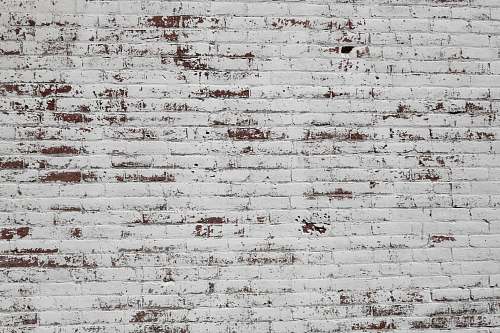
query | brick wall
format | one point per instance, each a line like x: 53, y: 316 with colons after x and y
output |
x: 260, y: 166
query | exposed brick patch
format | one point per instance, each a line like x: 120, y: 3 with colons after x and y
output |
x: 76, y: 232
x: 165, y: 22
x: 34, y: 251
x: 333, y: 94
x: 63, y: 176
x: 54, y: 90
x: 220, y: 93
x: 212, y: 220
x: 6, y: 163
x: 379, y: 325
x: 309, y: 228
x: 61, y: 150
x: 247, y: 134
x: 143, y: 178
x: 352, y: 135
x: 442, y: 238
x: 10, y: 233
x: 338, y: 193
x: 72, y: 117
x: 12, y: 88
x: 291, y: 22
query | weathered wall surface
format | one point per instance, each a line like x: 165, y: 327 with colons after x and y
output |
x: 258, y: 166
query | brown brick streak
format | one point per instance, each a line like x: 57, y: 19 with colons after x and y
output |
x: 249, y: 166
x: 10, y: 233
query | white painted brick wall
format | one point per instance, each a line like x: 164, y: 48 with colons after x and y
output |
x: 260, y: 166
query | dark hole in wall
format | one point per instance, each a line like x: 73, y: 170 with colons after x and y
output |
x: 346, y: 49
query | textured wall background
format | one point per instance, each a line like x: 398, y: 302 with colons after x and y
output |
x: 284, y: 166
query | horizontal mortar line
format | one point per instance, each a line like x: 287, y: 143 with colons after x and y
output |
x: 443, y: 98
x: 252, y: 279
x: 336, y: 71
x: 356, y: 195
x: 248, y: 71
x: 162, y: 266
x: 202, y: 127
x: 67, y: 184
x: 363, y: 29
x: 181, y: 306
x: 241, y: 82
x: 376, y: 122
x: 254, y: 99
x: 212, y: 238
x: 242, y: 112
x: 247, y: 52
x: 249, y: 280
x: 311, y: 141
x: 25, y: 243
x: 334, y: 4
x: 225, y: 238
x: 179, y: 220
x: 243, y: 222
x: 402, y: 155
x: 264, y: 42
x: 124, y: 56
x: 292, y: 208
x: 171, y: 230
x: 153, y: 225
x: 165, y: 50
x: 145, y: 253
x: 175, y: 237
x: 459, y: 165
x: 154, y: 324
x: 361, y: 35
x: 277, y: 293
x: 224, y: 181
x: 182, y: 140
x: 206, y: 84
x: 286, y: 15
x: 291, y: 154
x: 348, y: 321
x: 267, y: 182
x: 363, y: 60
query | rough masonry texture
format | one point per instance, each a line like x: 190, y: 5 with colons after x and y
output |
x: 259, y: 166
